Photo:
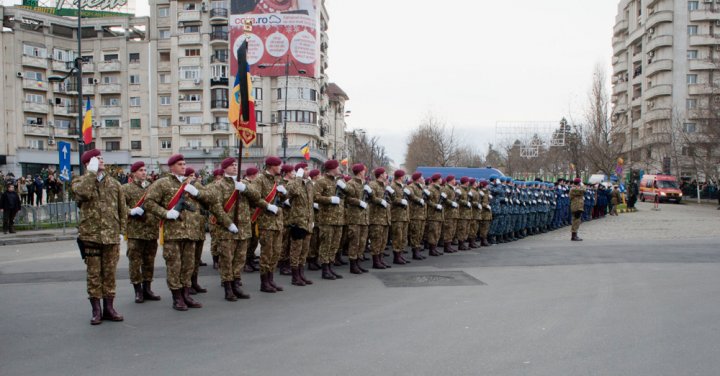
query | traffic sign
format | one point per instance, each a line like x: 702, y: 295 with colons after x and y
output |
x: 64, y: 153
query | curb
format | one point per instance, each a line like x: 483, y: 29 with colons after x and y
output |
x: 39, y: 239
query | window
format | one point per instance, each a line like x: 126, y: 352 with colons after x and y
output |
x: 90, y: 80
x: 279, y: 93
x: 258, y: 116
x: 688, y: 151
x: 134, y: 123
x: 191, y: 29
x: 313, y: 95
x: 34, y: 121
x: 258, y: 94
x: 222, y: 143
x: 689, y: 127
x: 692, y: 30
x: 691, y: 79
x: 165, y: 56
x: 112, y: 145
x: 165, y: 144
x: 34, y: 98
x: 87, y: 59
x: 134, y: 79
x: 693, y: 5
x: 111, y: 123
x: 165, y: 100
x: 691, y: 104
x: 34, y: 51
x: 219, y: 70
x: 193, y: 98
x: 191, y: 120
x: 134, y: 57
x: 194, y: 143
x: 62, y: 123
x: 219, y: 56
x: 299, y: 116
x: 190, y: 6
x: 164, y: 78
x: 63, y: 55
x: 134, y: 101
x: 164, y: 34
x: 164, y: 122
x: 135, y: 145
x: 163, y: 12
x: 33, y: 76
x: 192, y: 52
x: 110, y: 57
x: 111, y: 102
x: 189, y: 73
x: 692, y: 54
x: 36, y: 144
x: 110, y: 80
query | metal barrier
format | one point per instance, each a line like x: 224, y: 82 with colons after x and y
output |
x: 54, y: 215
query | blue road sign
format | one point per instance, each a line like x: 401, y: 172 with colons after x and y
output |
x: 64, y: 153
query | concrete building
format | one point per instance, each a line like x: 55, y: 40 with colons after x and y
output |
x: 665, y: 81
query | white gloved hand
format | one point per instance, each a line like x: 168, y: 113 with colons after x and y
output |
x: 457, y: 190
x: 272, y: 209
x: 390, y: 190
x: 137, y: 211
x: 479, y: 206
x: 469, y: 205
x: 454, y: 204
x: 93, y: 165
x: 286, y: 202
x: 422, y: 202
x: 172, y: 214
x: 367, y: 189
x: 470, y: 194
x: 122, y: 238
x: 316, y: 206
x: 300, y: 173
x: 443, y: 195
x: 281, y: 189
x: 427, y: 192
x: 403, y: 202
x: 232, y: 228
x: 491, y: 196
x: 240, y: 186
x: 341, y: 184
x: 335, y: 200
x: 406, y: 191
x: 438, y: 207
x: 189, y: 188
x: 488, y: 207
x: 482, y: 194
x: 383, y: 203
x: 363, y: 204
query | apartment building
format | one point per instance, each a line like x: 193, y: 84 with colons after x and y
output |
x: 665, y: 80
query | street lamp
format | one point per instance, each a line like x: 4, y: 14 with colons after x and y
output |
x: 347, y: 113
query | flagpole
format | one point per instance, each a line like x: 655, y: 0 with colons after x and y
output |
x: 238, y: 143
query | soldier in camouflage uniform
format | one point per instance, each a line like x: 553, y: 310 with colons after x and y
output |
x: 250, y: 265
x: 214, y: 251
x: 331, y: 216
x: 356, y: 217
x: 434, y: 221
x: 474, y: 226
x: 577, y: 192
x: 142, y: 235
x: 399, y: 216
x: 103, y: 217
x: 465, y: 212
x: 451, y: 213
x: 197, y: 221
x: 379, y: 218
x: 486, y: 214
x: 287, y: 175
x: 418, y: 213
x: 313, y: 254
x: 301, y: 219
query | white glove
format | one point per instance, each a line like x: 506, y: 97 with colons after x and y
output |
x: 427, y: 192
x: 189, y: 188
x: 438, y: 207
x: 488, y: 207
x: 491, y: 196
x: 443, y: 195
x: 406, y: 191
x: 363, y: 204
x: 517, y: 201
x: 281, y: 189
x: 335, y: 200
x: 479, y: 206
x: 457, y: 190
x: 172, y: 214
x: 454, y: 204
x: 138, y: 211
x: 300, y: 173
x: 469, y: 205
x: 286, y: 202
x: 367, y: 189
x: 403, y: 202
x: 341, y: 183
x: 240, y: 186
x: 232, y: 228
x: 383, y: 203
x: 470, y: 194
x: 93, y: 165
x: 482, y: 194
x: 316, y: 206
x: 422, y: 202
x: 121, y: 238
x: 272, y: 209
x: 390, y: 190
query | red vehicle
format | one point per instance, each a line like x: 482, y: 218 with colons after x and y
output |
x: 665, y: 187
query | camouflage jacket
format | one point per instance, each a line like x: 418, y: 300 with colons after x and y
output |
x: 450, y: 211
x: 259, y: 190
x: 197, y: 219
x: 577, y: 195
x: 476, y: 202
x: 418, y: 208
x: 354, y: 213
x: 329, y: 214
x: 399, y: 212
x: 239, y: 214
x: 487, y: 213
x: 103, y: 212
x: 616, y: 197
x: 143, y: 227
x: 379, y: 215
x: 300, y: 213
x: 464, y: 201
x: 433, y: 214
x: 158, y: 199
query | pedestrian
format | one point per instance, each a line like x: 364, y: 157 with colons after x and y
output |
x: 577, y: 192
x: 30, y: 185
x: 434, y: 215
x: 214, y: 250
x: 10, y: 205
x: 251, y: 265
x: 22, y: 190
x: 103, y: 217
x: 39, y: 188
x: 313, y: 254
x: 197, y: 221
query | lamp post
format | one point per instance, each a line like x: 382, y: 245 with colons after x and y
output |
x: 337, y: 111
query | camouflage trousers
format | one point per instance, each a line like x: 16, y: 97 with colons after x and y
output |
x: 484, y: 228
x: 416, y: 230
x: 253, y: 244
x: 314, y: 246
x: 473, y: 228
x: 285, y: 253
x: 432, y: 229
x: 399, y: 235
x: 378, y: 235
x: 232, y: 258
x: 199, y: 244
x: 299, y: 249
x: 329, y: 242
x: 357, y: 238
x: 141, y: 256
x: 270, y: 248
x: 214, y: 251
x: 448, y: 229
x: 179, y: 258
x: 101, y: 261
x: 462, y: 229
x: 576, y: 220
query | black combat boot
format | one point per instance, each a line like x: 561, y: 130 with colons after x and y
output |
x: 433, y: 251
x: 301, y: 270
x: 195, y: 286
x: 358, y: 263
x: 339, y: 260
x: 484, y: 242
x: 216, y: 262
x: 139, y: 298
x: 96, y: 312
x: 397, y: 258
x: 229, y: 295
x: 313, y: 263
x: 354, y: 267
x: 239, y: 293
x: 285, y: 268
x: 326, y: 273
x: 190, y: 302
x: 109, y: 312
x: 148, y: 293
x: 416, y: 254
x: 178, y: 301
x: 265, y: 286
x: 337, y: 276
x: 296, y: 279
x: 382, y: 260
x: 376, y: 262
x: 272, y: 282
x: 575, y: 237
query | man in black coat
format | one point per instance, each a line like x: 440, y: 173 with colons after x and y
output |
x: 9, y: 205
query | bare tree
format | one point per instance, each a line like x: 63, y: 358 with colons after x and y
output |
x: 432, y: 143
x: 597, y: 131
x: 370, y: 152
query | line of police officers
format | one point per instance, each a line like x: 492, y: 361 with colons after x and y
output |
x: 301, y: 220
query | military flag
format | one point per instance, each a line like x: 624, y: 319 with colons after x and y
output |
x: 305, y: 150
x: 87, y: 124
x: 242, y: 104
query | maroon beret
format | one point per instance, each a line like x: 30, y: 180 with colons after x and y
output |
x: 331, y: 165
x: 273, y: 161
x: 218, y: 172
x: 189, y: 171
x: 175, y: 159
x: 472, y: 180
x: 347, y: 177
x: 85, y: 159
x: 399, y: 173
x: 300, y: 165
x: 227, y: 162
x: 314, y: 173
x: 416, y: 176
x: 287, y: 168
x: 136, y: 166
x: 483, y: 183
x: 436, y: 177
x: 577, y: 180
x: 379, y: 171
x: 357, y: 168
x: 450, y: 178
x: 464, y: 180
x: 251, y: 171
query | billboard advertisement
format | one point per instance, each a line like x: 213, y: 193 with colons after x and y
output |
x: 283, y: 30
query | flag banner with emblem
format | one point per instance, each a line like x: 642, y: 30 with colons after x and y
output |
x: 305, y: 150
x: 242, y: 103
x: 87, y: 124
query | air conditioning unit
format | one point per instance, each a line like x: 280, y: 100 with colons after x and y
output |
x: 198, y: 81
x: 51, y: 141
x: 181, y: 119
x: 95, y: 81
x: 19, y: 74
x: 204, y: 7
x: 651, y: 31
x: 651, y: 53
x: 50, y: 123
x: 181, y: 97
x: 717, y: 22
x: 217, y: 78
x: 708, y: 1
x: 206, y: 151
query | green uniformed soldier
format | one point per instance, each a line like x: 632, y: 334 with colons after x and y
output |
x: 465, y: 212
x: 196, y: 224
x: 418, y: 213
x: 141, y: 234
x: 434, y: 221
x: 451, y: 213
x: 214, y: 251
x: 474, y: 224
x: 287, y: 175
x: 486, y: 216
x: 356, y: 217
x: 331, y: 216
x: 379, y: 218
x: 251, y: 173
x: 103, y: 217
x: 577, y: 200
x: 399, y: 216
x: 313, y: 254
x: 301, y: 220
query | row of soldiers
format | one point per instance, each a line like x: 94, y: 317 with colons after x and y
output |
x: 304, y: 217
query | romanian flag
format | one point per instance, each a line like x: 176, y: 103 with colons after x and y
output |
x: 87, y: 124
x: 242, y: 104
x: 305, y: 150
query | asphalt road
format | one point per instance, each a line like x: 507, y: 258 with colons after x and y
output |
x: 611, y: 305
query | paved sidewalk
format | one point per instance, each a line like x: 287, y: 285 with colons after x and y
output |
x: 38, y: 236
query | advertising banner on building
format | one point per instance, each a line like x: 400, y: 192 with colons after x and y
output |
x: 283, y: 31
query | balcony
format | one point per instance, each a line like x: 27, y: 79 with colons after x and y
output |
x: 36, y: 130
x: 208, y: 152
x: 620, y: 87
x: 189, y: 16
x: 218, y: 59
x: 108, y: 132
x: 657, y: 138
x: 658, y: 17
x: 637, y: 101
x: 219, y: 81
x: 659, y: 41
x: 33, y: 84
x: 657, y: 91
x: 192, y: 38
x: 703, y: 64
x: 164, y: 110
x: 195, y: 84
x: 619, y: 47
x: 620, y: 27
x: 70, y: 133
x: 87, y: 90
x: 193, y: 129
x: 189, y: 61
x: 163, y: 66
x: 621, y: 66
x: 659, y: 66
x: 109, y: 111
x: 219, y: 104
x: 220, y: 37
x: 109, y: 89
x: 704, y: 15
x: 657, y: 114
x: 220, y: 127
x: 190, y: 107
x: 34, y: 61
x: 702, y: 89
x: 65, y: 110
x: 40, y: 108
x: 62, y: 66
x: 301, y: 128
x: 109, y: 66
x: 703, y: 40
x: 88, y: 67
x: 164, y: 131
x: 218, y: 16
